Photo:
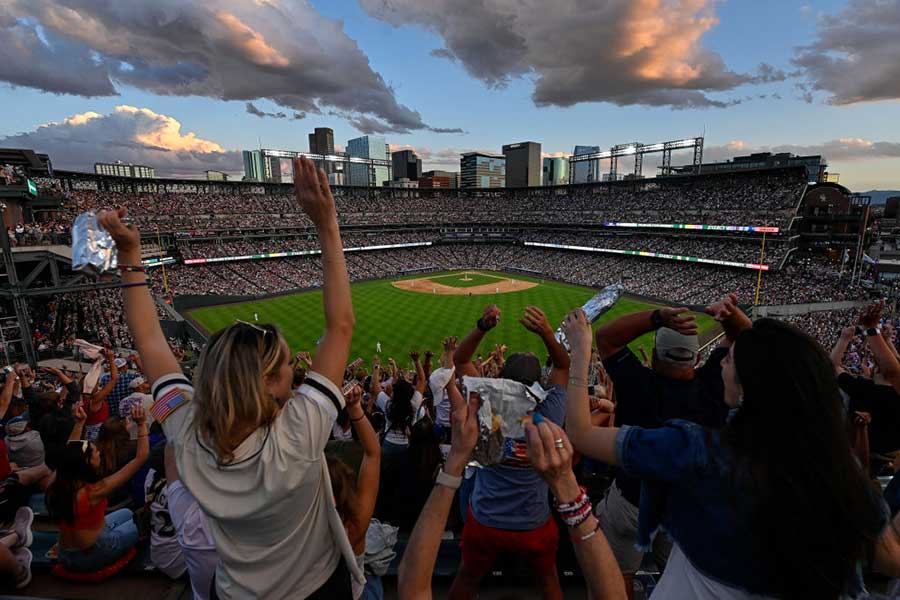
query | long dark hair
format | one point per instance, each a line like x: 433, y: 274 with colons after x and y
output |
x: 114, y: 445
x: 400, y: 411
x: 72, y: 473
x: 813, y: 514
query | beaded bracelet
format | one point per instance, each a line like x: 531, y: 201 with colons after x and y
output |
x: 577, y: 518
x: 575, y: 504
x: 133, y: 268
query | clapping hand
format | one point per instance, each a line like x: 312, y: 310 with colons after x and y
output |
x: 722, y: 309
x: 535, y: 321
x: 683, y: 322
x: 870, y: 317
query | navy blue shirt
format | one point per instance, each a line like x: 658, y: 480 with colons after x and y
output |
x: 647, y: 399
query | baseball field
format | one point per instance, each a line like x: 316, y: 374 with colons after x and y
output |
x: 417, y: 312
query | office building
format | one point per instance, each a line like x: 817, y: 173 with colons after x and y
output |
x: 481, y: 170
x: 216, y: 176
x: 367, y: 146
x: 556, y: 171
x: 523, y: 164
x: 406, y: 164
x: 120, y: 169
x: 586, y: 171
x: 258, y: 167
x: 439, y: 179
x: 321, y: 141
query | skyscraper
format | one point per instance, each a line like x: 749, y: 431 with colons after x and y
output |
x: 480, y: 170
x: 321, y: 141
x: 586, y: 171
x: 406, y: 164
x: 523, y: 164
x: 556, y: 171
x: 367, y: 146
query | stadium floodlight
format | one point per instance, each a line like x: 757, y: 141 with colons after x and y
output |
x: 654, y: 147
x: 629, y: 150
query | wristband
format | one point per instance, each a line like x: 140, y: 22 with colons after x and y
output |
x: 578, y: 539
x: 481, y: 326
x: 656, y: 319
x: 448, y: 481
x: 133, y: 268
x: 873, y: 331
x: 352, y: 420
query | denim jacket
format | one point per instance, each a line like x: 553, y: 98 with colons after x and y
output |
x: 689, y: 488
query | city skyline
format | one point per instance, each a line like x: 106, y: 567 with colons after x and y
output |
x: 87, y: 84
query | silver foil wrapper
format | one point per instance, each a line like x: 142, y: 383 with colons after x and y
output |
x: 595, y: 307
x: 93, y: 249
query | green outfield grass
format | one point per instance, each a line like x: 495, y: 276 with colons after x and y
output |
x: 403, y: 320
x: 456, y: 279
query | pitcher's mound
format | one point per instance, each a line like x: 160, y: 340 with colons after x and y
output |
x: 459, y: 284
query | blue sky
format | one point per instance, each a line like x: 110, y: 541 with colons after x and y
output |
x: 453, y: 93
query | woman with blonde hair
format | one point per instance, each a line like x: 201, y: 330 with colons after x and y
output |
x: 247, y: 446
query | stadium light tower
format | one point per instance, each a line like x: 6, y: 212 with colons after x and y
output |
x: 638, y: 150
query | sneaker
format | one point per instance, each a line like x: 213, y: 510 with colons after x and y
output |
x: 22, y: 527
x: 23, y: 557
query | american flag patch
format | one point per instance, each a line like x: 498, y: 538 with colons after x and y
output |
x: 167, y: 404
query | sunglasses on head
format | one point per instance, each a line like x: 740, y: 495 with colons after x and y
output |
x: 259, y: 328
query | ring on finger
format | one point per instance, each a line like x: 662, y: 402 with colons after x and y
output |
x: 558, y: 442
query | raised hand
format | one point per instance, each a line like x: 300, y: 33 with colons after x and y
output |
x: 887, y: 332
x: 414, y: 355
x: 354, y: 396
x: 78, y: 412
x: 138, y: 414
x: 848, y: 332
x: 535, y: 321
x: 463, y: 422
x: 680, y: 320
x: 428, y: 354
x: 870, y: 317
x: 550, y: 453
x: 578, y: 331
x: 490, y: 317
x: 127, y: 237
x: 313, y: 193
x: 722, y: 309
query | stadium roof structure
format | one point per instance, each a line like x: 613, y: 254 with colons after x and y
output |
x: 638, y: 150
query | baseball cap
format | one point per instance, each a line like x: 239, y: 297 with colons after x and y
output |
x: 675, y: 347
x: 120, y: 363
x: 136, y: 383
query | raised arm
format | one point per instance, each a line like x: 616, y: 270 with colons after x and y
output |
x: 536, y: 322
x: 100, y: 397
x: 886, y: 360
x: 421, y: 379
x: 414, y: 576
x: 618, y: 333
x: 730, y: 317
x: 596, y: 442
x: 369, y: 471
x: 80, y: 416
x: 62, y: 377
x: 887, y: 332
x: 375, y: 386
x: 426, y: 366
x: 462, y: 357
x: 840, y: 348
x: 550, y: 454
x: 140, y: 311
x: 314, y: 195
x: 7, y: 394
x: 108, y: 485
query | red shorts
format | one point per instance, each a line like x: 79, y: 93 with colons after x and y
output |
x: 481, y: 545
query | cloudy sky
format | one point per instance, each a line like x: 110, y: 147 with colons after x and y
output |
x: 184, y: 85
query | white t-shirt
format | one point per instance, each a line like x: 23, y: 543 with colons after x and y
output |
x: 165, y: 553
x: 271, y: 510
x: 682, y: 580
x: 338, y: 433
x: 398, y: 436
x: 194, y: 538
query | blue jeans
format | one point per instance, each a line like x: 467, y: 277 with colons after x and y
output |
x: 120, y: 535
x: 374, y: 589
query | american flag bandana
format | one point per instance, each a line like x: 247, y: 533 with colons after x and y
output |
x: 167, y: 404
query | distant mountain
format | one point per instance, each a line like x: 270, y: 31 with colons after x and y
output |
x: 881, y: 196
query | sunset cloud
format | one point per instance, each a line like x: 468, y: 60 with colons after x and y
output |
x: 130, y: 134
x: 281, y: 50
x: 621, y: 51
